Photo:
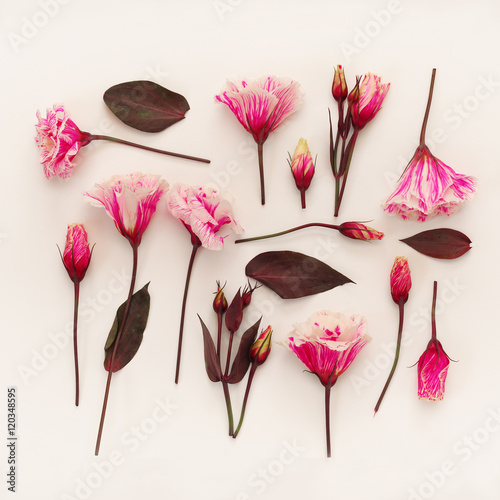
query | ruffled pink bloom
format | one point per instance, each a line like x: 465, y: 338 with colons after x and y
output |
x: 203, y: 212
x: 400, y: 280
x: 367, y: 100
x: 432, y: 371
x: 59, y: 140
x: 76, y: 255
x: 429, y: 187
x: 262, y: 105
x: 130, y: 200
x: 328, y: 342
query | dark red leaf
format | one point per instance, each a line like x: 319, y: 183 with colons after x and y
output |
x: 440, y: 243
x: 242, y: 359
x: 133, y: 331
x: 145, y: 105
x: 292, y: 274
x: 212, y: 364
x: 234, y: 313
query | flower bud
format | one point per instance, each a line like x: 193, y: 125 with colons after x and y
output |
x: 246, y: 297
x: 76, y: 256
x: 358, y: 231
x: 302, y: 167
x: 220, y: 302
x: 261, y: 347
x: 400, y: 280
x: 339, y: 87
x: 432, y: 371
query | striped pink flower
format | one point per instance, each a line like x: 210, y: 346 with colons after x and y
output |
x: 76, y: 255
x: 204, y: 212
x: 432, y: 371
x: 328, y: 342
x: 367, y: 99
x: 429, y: 187
x: 130, y: 200
x: 59, y: 140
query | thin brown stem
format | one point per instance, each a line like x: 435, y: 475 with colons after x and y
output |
x: 115, y: 346
x: 196, y: 245
x: 328, y: 389
x: 427, y: 109
x: 75, y: 342
x: 260, y: 151
x: 91, y: 137
x: 344, y: 169
x: 433, y: 312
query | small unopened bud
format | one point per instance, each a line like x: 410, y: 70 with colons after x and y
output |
x: 400, y: 280
x: 339, y: 87
x: 302, y: 167
x: 220, y: 302
x: 358, y: 231
x: 246, y: 297
x: 76, y: 255
x: 261, y: 347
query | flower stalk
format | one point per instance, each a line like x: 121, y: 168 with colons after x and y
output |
x: 75, y: 342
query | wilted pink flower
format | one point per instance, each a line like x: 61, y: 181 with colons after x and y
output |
x: 400, y: 280
x: 432, y: 371
x: 261, y: 106
x: 358, y: 231
x: 76, y: 255
x: 367, y: 99
x: 59, y: 140
x: 339, y: 86
x: 429, y: 187
x: 328, y: 342
x: 302, y: 167
x: 130, y: 200
x: 204, y: 212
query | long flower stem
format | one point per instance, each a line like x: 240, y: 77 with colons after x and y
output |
x: 433, y: 312
x: 225, y: 387
x: 219, y: 334
x: 115, y: 346
x: 260, y: 151
x: 311, y: 224
x: 328, y: 389
x: 427, y: 109
x: 91, y: 137
x: 75, y: 343
x: 396, y: 357
x: 196, y: 245
x: 345, y: 164
x: 253, y: 369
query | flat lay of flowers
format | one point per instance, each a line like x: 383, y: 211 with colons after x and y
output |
x: 234, y: 347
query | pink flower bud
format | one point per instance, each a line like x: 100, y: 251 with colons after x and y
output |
x: 76, y: 256
x: 261, y: 347
x: 367, y: 101
x: 339, y: 87
x: 358, y: 231
x: 302, y: 167
x: 400, y: 280
x: 220, y: 302
x: 432, y: 371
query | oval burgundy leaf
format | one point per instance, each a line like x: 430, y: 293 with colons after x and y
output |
x: 212, y: 363
x: 242, y: 359
x: 292, y: 274
x: 443, y: 243
x: 145, y: 105
x: 133, y: 331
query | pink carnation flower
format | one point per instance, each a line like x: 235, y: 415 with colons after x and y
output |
x: 367, y: 99
x: 130, y: 200
x: 203, y: 212
x: 59, y: 140
x: 328, y: 342
x: 429, y: 187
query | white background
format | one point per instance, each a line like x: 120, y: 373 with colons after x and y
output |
x: 70, y: 53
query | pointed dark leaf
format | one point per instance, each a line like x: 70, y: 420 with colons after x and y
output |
x: 145, y: 105
x: 212, y: 364
x: 292, y: 274
x: 440, y: 243
x: 234, y: 313
x: 242, y: 359
x: 131, y: 337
